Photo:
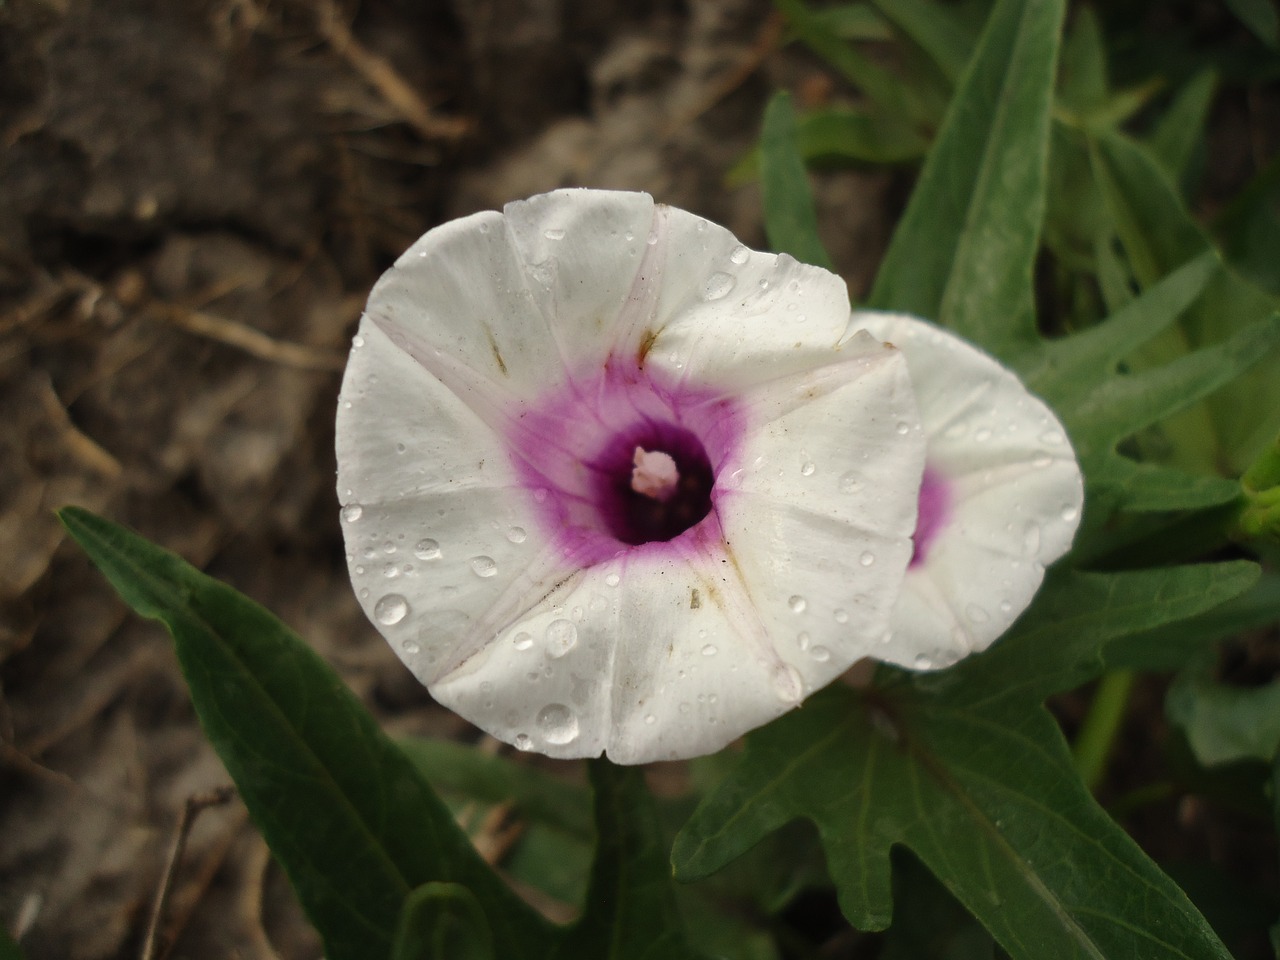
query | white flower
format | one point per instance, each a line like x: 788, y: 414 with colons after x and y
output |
x: 613, y: 482
x: 1001, y: 496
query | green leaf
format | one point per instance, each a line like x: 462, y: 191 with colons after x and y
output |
x: 889, y: 93
x: 1225, y: 724
x: 964, y: 250
x: 1250, y: 229
x: 442, y: 921
x: 839, y: 133
x: 342, y: 809
x: 631, y: 911
x: 968, y: 770
x: 455, y: 768
x: 789, y: 217
x: 1260, y: 17
x: 944, y: 32
x: 1171, y: 646
x: 1083, y: 85
x: 1181, y: 128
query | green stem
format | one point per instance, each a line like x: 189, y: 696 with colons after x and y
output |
x: 1097, y: 735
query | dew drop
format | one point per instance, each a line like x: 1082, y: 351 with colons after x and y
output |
x: 651, y: 239
x: 867, y: 558
x: 357, y: 341
x: 352, y: 512
x: 1069, y: 514
x: 1005, y: 606
x: 717, y: 286
x: 922, y: 662
x: 740, y: 254
x: 798, y: 604
x: 1052, y: 437
x: 613, y: 580
x: 903, y: 428
x: 483, y: 566
x: 650, y: 719
x: 802, y: 641
x: 710, y: 650
x: 1031, y: 539
x: 391, y: 609
x: 763, y: 284
x: 522, y: 640
x: 517, y: 535
x: 391, y: 571
x: 841, y: 616
x: 976, y: 614
x: 561, y: 637
x: 427, y: 550
x: 522, y: 742
x: 411, y: 646
x: 850, y: 483
x: 558, y: 723
x: 807, y: 468
x: 554, y: 233
x: 388, y: 547
x: 821, y: 654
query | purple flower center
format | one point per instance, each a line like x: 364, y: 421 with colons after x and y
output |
x: 933, y: 510
x: 625, y: 459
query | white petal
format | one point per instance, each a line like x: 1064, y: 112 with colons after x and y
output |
x: 440, y: 539
x: 819, y: 519
x: 729, y: 316
x: 1015, y: 488
x: 641, y: 657
x: 493, y: 298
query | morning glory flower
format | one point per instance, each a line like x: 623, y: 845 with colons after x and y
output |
x: 1000, y: 498
x: 612, y: 482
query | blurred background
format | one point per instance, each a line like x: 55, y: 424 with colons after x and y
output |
x: 195, y: 198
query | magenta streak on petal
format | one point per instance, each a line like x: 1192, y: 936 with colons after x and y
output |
x: 573, y: 447
x: 933, y: 511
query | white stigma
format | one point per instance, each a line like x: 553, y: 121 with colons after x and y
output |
x: 655, y: 474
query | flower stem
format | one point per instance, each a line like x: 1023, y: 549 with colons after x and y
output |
x: 1101, y: 725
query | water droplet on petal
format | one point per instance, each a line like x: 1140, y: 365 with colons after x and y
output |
x: 1052, y: 437
x: 867, y: 558
x: 710, y: 650
x: 650, y: 719
x: 1069, y: 514
x: 388, y: 547
x: 554, y: 233
x: 391, y: 571
x: 903, y: 428
x: 976, y: 614
x: 717, y: 286
x: 740, y: 254
x: 613, y: 580
x: 411, y: 646
x: 922, y: 662
x: 427, y: 550
x: 357, y: 341
x: 517, y: 535
x: 1042, y: 462
x: 391, y: 609
x: 483, y: 566
x: 522, y: 742
x: 1005, y: 606
x: 558, y: 723
x: 352, y: 512
x: 802, y: 641
x: 821, y: 654
x: 522, y: 640
x: 1031, y: 539
x: 850, y: 483
x: 807, y: 468
x: 798, y: 604
x: 561, y: 637
x: 841, y: 616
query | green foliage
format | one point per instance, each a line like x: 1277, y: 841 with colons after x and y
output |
x: 375, y: 857
x: 964, y: 250
x: 966, y: 769
x: 789, y: 216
